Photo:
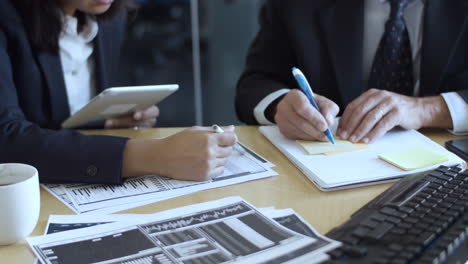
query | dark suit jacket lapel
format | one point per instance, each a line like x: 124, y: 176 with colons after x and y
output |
x: 443, y: 22
x: 104, y: 48
x: 53, y: 73
x: 342, y: 23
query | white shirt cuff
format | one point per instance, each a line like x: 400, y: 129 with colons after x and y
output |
x: 259, y: 110
x: 458, y: 110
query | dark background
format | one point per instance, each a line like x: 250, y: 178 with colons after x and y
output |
x: 160, y: 46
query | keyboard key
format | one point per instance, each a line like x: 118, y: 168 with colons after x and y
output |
x: 354, y: 251
x: 409, y: 239
x: 388, y: 211
x: 451, y: 174
x: 351, y: 240
x: 360, y: 232
x: 456, y: 195
x: 411, y: 220
x: 395, y: 247
x: 412, y: 205
x: 378, y: 217
x: 446, y: 190
x: 398, y: 231
x: 370, y: 223
x: 426, y: 238
x: 442, y: 169
x: 337, y: 253
x: 435, y: 229
x: 394, y: 220
x: 379, y: 231
x: 445, y: 205
x: 435, y: 186
x: 439, y: 182
x: 407, y: 210
x: 405, y: 225
x: 422, y: 225
x: 424, y: 195
x: 451, y: 186
x: 440, y: 195
x: 456, y: 181
x: 406, y: 255
x: 418, y: 200
x: 435, y: 174
x: 413, y: 249
x: 441, y: 224
x: 381, y: 261
x: 415, y: 231
x: 428, y: 191
x: 423, y: 210
x: 398, y: 261
x: 434, y: 200
x: 453, y: 213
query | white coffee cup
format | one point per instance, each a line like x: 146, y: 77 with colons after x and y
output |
x: 19, y: 201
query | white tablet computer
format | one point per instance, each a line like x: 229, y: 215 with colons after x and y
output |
x: 118, y: 101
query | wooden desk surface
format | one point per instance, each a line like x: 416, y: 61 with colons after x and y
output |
x: 324, y: 210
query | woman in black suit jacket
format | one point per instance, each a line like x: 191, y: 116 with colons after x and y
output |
x: 34, y: 103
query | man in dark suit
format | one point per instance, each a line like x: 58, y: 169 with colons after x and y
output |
x: 384, y: 63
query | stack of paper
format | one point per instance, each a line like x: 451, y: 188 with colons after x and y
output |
x: 223, y: 231
x: 244, y: 165
x: 362, y: 167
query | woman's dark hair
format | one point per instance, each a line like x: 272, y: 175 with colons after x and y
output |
x: 44, y: 23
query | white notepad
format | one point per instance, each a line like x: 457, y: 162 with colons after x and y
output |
x: 358, y: 168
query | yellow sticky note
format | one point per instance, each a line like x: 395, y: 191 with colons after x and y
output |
x: 340, y: 146
x: 358, y: 146
x: 414, y: 158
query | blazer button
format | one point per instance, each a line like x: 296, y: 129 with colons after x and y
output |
x: 91, y: 170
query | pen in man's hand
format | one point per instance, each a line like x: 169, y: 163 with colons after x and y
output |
x: 307, y: 90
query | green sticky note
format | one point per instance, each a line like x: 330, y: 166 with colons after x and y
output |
x: 415, y: 158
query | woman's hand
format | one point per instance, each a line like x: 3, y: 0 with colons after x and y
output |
x: 195, y: 154
x: 143, y: 119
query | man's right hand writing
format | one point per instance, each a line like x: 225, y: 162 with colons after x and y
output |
x: 195, y: 154
x: 298, y: 119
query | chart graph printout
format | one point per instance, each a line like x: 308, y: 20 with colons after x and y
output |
x: 242, y: 166
x: 227, y: 230
x: 286, y: 217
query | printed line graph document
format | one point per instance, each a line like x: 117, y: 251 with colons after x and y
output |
x: 99, y: 198
x: 359, y: 168
x: 223, y: 231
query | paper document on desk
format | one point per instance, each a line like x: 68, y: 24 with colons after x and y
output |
x: 361, y: 167
x: 286, y: 217
x: 244, y: 165
x: 226, y: 230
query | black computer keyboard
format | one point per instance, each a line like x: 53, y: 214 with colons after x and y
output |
x: 421, y: 219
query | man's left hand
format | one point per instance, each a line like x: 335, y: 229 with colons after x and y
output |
x: 376, y: 112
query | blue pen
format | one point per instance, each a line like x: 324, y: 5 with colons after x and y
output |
x: 307, y: 90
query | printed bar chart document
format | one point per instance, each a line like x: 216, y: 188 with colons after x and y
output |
x: 99, y: 198
x: 285, y: 217
x: 223, y: 231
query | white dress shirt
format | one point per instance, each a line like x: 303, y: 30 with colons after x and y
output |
x: 376, y: 14
x: 76, y: 49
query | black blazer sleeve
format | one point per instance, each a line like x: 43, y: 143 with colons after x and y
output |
x: 59, y: 155
x: 268, y: 66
